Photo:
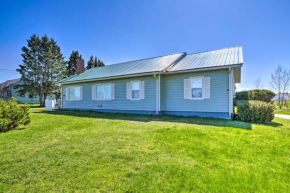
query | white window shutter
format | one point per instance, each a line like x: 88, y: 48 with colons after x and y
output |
x: 206, y: 87
x: 129, y: 90
x: 142, y: 90
x: 66, y: 93
x: 187, y: 88
x: 81, y: 88
x: 94, y: 92
x: 112, y: 91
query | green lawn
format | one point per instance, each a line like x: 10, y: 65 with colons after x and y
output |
x: 65, y: 151
x: 284, y: 110
x: 32, y: 105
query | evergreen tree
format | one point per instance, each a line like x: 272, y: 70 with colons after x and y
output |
x: 94, y: 63
x: 42, y: 67
x: 71, y: 68
x: 90, y: 63
x: 98, y: 63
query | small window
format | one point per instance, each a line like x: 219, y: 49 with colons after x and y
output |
x: 196, y: 88
x: 104, y: 92
x: 9, y: 93
x: 75, y: 93
x: 30, y: 96
x: 135, y: 90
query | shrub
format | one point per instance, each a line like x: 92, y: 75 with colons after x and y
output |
x: 255, y: 111
x: 12, y: 115
x: 256, y: 94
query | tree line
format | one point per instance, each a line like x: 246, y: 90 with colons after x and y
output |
x: 43, y: 65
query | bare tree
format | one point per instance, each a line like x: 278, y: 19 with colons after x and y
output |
x: 258, y: 83
x: 280, y: 82
x: 285, y: 84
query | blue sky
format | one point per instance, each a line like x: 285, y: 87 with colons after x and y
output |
x: 118, y: 31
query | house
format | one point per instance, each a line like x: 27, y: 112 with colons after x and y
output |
x: 7, y: 91
x: 199, y: 84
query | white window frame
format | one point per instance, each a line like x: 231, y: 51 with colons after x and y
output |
x: 194, y: 98
x: 132, y: 82
x: 96, y: 90
x: 68, y: 92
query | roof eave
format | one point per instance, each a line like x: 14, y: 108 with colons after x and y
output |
x: 112, y: 77
x: 152, y: 73
x: 205, y: 69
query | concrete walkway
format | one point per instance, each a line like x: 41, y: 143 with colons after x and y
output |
x: 282, y: 116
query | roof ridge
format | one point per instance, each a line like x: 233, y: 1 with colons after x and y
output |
x: 174, y: 62
x: 215, y: 50
x: 145, y: 59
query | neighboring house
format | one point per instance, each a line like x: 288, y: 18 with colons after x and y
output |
x: 285, y: 98
x: 7, y: 91
x: 200, y: 84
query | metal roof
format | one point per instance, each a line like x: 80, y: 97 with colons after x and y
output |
x: 169, y: 63
x: 209, y: 59
x: 150, y: 65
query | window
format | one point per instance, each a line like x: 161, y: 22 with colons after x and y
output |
x: 30, y: 96
x: 9, y: 93
x: 74, y: 93
x: 104, y: 92
x: 135, y: 90
x: 196, y: 88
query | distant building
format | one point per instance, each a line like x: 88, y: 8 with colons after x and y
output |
x: 7, y: 91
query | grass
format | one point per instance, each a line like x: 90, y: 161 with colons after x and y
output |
x: 284, y: 110
x: 32, y: 105
x: 67, y: 151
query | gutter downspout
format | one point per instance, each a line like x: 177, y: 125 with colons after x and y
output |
x: 61, y: 99
x: 159, y: 91
x: 157, y: 77
x: 231, y: 102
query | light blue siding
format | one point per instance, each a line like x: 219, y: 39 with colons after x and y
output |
x: 120, y: 102
x: 172, y: 94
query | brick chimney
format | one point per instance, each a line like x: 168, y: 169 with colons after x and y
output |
x: 80, y: 65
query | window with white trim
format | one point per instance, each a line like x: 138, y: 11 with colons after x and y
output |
x: 135, y: 90
x: 196, y: 88
x: 103, y: 91
x: 74, y: 93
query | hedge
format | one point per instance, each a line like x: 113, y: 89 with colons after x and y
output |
x: 12, y: 115
x: 255, y: 111
x: 256, y: 94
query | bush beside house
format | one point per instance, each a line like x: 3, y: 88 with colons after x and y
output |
x: 255, y: 105
x: 255, y: 111
x: 256, y: 94
x: 12, y: 115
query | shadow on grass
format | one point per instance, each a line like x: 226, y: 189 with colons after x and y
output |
x: 164, y: 118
